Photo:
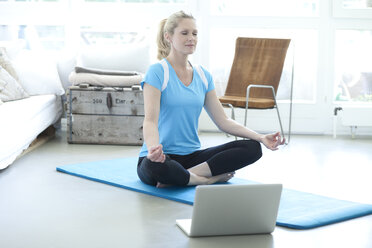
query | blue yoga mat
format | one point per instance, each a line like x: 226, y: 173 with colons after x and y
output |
x: 297, y: 209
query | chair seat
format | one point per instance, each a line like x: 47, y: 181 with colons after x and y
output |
x: 238, y: 101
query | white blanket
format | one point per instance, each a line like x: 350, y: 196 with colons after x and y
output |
x: 104, y: 80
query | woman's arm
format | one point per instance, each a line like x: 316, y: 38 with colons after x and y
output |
x: 224, y: 123
x: 151, y: 97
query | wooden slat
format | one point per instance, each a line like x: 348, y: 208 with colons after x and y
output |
x: 105, y: 129
x: 90, y: 101
x: 41, y: 139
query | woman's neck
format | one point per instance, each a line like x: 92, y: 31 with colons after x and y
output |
x: 178, y: 61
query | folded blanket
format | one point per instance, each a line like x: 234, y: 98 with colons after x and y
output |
x: 79, y: 69
x: 104, y: 80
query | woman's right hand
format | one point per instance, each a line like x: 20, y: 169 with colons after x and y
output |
x: 155, y: 154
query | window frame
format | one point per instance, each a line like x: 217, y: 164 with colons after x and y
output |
x: 339, y: 12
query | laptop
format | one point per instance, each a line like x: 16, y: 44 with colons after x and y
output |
x: 226, y: 209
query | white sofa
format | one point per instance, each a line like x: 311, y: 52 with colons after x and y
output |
x: 45, y: 82
x: 30, y: 99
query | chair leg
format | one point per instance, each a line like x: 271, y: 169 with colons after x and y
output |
x: 290, y: 121
x: 276, y: 105
x: 291, y: 99
x: 277, y: 110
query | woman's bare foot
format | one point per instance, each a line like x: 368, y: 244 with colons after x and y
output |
x: 160, y: 185
x: 199, y: 180
x: 226, y: 177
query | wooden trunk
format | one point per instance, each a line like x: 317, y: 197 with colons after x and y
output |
x: 97, y: 115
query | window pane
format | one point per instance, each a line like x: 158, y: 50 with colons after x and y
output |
x: 265, y: 7
x: 46, y: 37
x: 51, y: 37
x: 356, y: 4
x: 353, y: 65
x: 136, y: 1
x: 109, y: 36
x: 38, y: 0
x: 222, y: 51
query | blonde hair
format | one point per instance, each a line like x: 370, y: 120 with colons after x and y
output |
x: 167, y: 26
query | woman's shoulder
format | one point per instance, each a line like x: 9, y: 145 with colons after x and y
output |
x: 205, y: 76
x: 155, y: 67
x: 204, y: 69
x: 154, y: 76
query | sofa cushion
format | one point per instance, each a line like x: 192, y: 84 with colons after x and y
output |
x: 6, y: 63
x: 37, y: 73
x: 10, y: 89
x: 13, y: 47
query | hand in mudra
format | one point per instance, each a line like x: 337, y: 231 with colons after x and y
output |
x: 272, y: 141
x: 155, y: 154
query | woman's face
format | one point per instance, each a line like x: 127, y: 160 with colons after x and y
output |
x: 185, y: 37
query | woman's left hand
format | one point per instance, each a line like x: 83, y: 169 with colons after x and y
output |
x: 272, y: 141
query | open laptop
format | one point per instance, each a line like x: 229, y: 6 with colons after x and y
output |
x: 228, y: 209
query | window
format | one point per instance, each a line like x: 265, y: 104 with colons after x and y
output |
x: 136, y: 1
x: 352, y: 8
x: 62, y: 23
x: 265, y: 7
x: 356, y: 4
x: 353, y: 70
x: 46, y: 37
x: 92, y: 35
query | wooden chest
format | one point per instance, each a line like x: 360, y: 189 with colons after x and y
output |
x: 105, y: 115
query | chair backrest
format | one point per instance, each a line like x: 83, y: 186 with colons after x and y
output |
x: 257, y: 61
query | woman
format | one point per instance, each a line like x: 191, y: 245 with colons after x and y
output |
x: 171, y: 154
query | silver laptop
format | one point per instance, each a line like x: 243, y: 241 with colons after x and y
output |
x: 228, y: 209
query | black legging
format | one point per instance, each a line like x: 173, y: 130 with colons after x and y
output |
x: 221, y: 159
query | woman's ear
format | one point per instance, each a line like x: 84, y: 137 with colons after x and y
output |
x: 167, y: 37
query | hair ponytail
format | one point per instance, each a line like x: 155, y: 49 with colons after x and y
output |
x: 163, y: 45
x: 168, y: 26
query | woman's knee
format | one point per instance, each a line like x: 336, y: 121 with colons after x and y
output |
x: 253, y: 146
x: 169, y: 172
x: 145, y: 172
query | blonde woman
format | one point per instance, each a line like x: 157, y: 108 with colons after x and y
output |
x: 175, y: 91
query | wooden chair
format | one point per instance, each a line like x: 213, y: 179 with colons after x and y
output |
x: 255, y: 75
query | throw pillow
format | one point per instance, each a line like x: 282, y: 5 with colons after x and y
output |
x: 10, y: 89
x: 13, y: 47
x: 37, y: 73
x: 128, y: 57
x: 6, y: 64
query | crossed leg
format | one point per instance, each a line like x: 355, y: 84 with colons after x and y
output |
x: 208, y: 166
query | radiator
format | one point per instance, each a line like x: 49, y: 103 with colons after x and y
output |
x: 353, y: 116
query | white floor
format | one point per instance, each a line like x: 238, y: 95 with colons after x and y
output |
x: 40, y: 207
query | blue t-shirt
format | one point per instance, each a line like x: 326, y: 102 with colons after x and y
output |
x: 180, y: 108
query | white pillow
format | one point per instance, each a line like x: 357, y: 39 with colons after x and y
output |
x: 6, y: 63
x: 37, y: 73
x: 66, y: 65
x: 10, y: 89
x: 128, y: 57
x: 13, y: 47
